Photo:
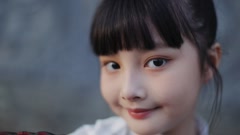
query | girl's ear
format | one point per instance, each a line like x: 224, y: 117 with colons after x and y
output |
x: 214, y: 54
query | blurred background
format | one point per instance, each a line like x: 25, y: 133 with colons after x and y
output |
x: 49, y: 79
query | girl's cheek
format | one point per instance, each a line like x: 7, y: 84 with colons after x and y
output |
x: 172, y: 89
x: 109, y: 87
x: 110, y: 91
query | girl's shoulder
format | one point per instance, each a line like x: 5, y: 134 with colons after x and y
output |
x: 109, y: 126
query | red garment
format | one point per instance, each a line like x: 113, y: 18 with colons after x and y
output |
x: 26, y: 133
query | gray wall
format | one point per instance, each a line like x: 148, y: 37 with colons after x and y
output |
x: 49, y: 78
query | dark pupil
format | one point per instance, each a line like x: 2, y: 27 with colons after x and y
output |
x: 158, y: 62
x: 115, y: 66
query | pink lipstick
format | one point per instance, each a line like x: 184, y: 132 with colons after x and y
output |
x: 140, y: 113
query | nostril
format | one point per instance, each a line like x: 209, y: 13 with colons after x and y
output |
x: 135, y: 98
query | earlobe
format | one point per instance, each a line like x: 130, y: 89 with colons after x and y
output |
x: 208, y: 74
x: 214, y: 54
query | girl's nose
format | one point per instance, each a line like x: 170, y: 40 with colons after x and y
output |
x: 133, y: 87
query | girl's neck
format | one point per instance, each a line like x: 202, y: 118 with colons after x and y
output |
x: 188, y: 127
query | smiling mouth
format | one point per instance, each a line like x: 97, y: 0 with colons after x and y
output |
x: 140, y: 113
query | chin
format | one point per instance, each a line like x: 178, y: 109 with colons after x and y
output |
x: 145, y: 131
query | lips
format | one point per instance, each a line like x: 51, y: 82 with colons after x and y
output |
x: 140, y: 113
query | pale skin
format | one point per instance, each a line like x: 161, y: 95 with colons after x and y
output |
x: 165, y: 81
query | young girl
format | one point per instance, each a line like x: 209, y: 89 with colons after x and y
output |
x: 155, y: 57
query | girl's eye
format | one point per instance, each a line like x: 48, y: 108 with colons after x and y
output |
x: 111, y: 66
x: 156, y: 63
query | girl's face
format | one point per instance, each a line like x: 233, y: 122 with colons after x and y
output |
x: 153, y: 91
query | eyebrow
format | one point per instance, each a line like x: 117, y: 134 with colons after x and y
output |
x: 161, y: 45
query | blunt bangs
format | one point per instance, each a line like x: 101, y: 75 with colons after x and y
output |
x: 124, y: 25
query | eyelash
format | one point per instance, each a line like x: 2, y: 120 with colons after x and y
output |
x: 157, y: 67
x: 105, y: 64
